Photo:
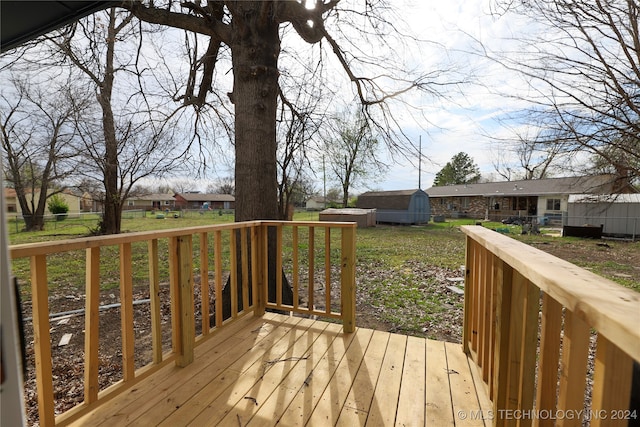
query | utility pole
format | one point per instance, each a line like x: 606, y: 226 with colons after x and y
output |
x: 420, y: 164
x: 324, y: 180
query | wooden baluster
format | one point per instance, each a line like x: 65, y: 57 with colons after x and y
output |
x: 611, y: 385
x: 91, y: 325
x: 204, y: 282
x: 244, y: 257
x: 482, y: 308
x: 573, y: 368
x: 257, y: 284
x: 491, y: 312
x: 312, y: 267
x: 549, y: 358
x: 501, y: 358
x: 217, y: 253
x: 126, y: 313
x: 154, y: 296
x: 296, y: 265
x: 475, y: 296
x: 42, y: 339
x: 327, y: 270
x: 233, y: 279
x: 528, y: 347
x: 348, y: 279
x: 278, y: 272
x: 469, y: 283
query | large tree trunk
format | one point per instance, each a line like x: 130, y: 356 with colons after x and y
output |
x: 255, y: 49
x: 112, y: 211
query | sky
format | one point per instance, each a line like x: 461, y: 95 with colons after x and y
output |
x: 454, y: 29
x: 464, y: 122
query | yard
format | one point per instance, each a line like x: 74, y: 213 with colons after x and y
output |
x: 404, y: 278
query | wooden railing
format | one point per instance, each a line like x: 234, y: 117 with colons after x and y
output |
x: 212, y: 249
x: 531, y: 323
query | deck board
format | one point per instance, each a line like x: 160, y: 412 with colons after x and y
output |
x: 292, y: 371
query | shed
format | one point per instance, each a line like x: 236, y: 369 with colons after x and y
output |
x: 398, y: 207
x: 619, y: 214
x: 363, y: 217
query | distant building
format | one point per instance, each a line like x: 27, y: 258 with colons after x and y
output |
x: 537, y: 197
x: 317, y: 203
x: 73, y: 199
x: 198, y: 200
x: 397, y: 207
x: 154, y: 201
x: 617, y: 214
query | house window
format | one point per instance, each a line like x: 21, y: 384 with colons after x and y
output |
x: 166, y: 202
x: 553, y: 204
x: 130, y: 203
x: 464, y: 202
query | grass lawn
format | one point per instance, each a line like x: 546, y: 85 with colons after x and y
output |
x: 402, y: 271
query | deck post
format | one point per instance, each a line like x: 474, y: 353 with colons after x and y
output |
x: 42, y: 339
x: 181, y: 278
x: 348, y: 279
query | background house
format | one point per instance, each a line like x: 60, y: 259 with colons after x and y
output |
x: 318, y: 203
x: 399, y: 207
x: 198, y: 200
x: 496, y: 201
x: 154, y: 201
x: 74, y: 199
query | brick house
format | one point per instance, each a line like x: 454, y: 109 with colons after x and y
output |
x: 499, y: 200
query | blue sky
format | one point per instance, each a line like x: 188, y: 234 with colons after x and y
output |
x: 463, y: 122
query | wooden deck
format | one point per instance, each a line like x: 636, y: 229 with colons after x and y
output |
x: 295, y: 371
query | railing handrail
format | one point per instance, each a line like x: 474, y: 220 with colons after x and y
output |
x: 249, y: 273
x: 608, y: 307
x: 44, y: 248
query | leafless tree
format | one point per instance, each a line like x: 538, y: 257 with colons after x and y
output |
x: 248, y: 34
x: 121, y: 141
x: 582, y: 69
x: 299, y: 120
x: 352, y: 153
x: 247, y: 38
x: 223, y: 185
x: 537, y: 156
x: 37, y: 133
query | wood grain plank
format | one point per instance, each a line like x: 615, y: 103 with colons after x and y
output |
x: 464, y: 398
x: 411, y: 402
x: 385, y: 399
x: 356, y: 406
x: 439, y: 409
x: 332, y: 400
x: 303, y: 405
x: 282, y: 377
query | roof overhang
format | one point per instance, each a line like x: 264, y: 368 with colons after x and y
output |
x: 24, y: 20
